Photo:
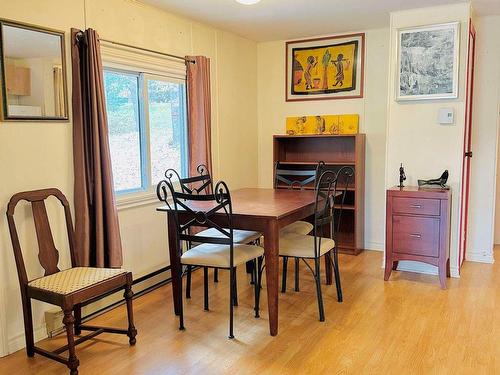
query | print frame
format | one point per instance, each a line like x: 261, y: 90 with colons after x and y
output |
x: 437, y: 83
x: 306, y: 77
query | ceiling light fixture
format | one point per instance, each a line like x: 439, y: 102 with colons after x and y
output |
x: 248, y: 2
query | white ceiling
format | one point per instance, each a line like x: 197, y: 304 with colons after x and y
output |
x: 287, y: 19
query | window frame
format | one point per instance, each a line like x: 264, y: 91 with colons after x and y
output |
x: 146, y: 194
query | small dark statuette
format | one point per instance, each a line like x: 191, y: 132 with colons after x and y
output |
x: 402, y: 176
x: 441, y: 181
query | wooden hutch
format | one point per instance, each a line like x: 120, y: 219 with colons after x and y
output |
x: 305, y: 151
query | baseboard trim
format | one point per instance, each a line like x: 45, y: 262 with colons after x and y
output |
x: 409, y: 266
x: 18, y: 342
x: 480, y: 257
x: 375, y: 246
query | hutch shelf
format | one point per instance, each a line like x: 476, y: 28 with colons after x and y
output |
x: 305, y: 151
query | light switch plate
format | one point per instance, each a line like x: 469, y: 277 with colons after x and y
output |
x: 446, y: 116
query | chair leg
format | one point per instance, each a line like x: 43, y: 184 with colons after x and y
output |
x: 205, y: 288
x: 231, y: 303
x: 216, y: 275
x: 317, y: 278
x: 249, y: 267
x: 260, y: 261
x: 283, y: 277
x: 179, y: 298
x: 256, y: 288
x: 69, y: 322
x: 235, y: 286
x: 28, y: 326
x: 77, y: 310
x: 297, y: 260
x: 337, y: 274
x: 129, y: 294
x: 188, y: 282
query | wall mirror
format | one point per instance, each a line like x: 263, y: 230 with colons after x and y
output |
x: 33, y: 73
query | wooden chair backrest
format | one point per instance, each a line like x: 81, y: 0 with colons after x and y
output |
x: 48, y: 254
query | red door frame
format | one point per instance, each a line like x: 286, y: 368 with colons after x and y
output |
x: 464, y: 203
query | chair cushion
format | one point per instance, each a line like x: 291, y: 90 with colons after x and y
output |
x: 239, y: 236
x: 302, y: 246
x: 73, y: 279
x: 299, y: 227
x: 214, y: 255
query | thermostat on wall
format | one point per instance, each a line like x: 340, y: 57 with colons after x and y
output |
x: 446, y: 116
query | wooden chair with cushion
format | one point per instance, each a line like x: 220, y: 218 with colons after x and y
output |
x: 290, y: 177
x: 203, y: 184
x: 327, y: 216
x: 213, y: 211
x: 69, y: 289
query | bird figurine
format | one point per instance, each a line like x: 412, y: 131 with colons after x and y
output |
x: 441, y: 181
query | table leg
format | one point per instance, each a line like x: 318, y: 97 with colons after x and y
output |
x: 175, y: 264
x: 271, y: 251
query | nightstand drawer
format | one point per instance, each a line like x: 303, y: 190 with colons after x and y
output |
x: 416, y: 235
x: 416, y: 206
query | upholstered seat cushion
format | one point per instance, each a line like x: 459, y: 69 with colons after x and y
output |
x: 214, y: 255
x: 239, y: 236
x: 302, y: 246
x: 299, y: 227
x: 74, y: 279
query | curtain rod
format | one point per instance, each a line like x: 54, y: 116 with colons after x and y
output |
x: 149, y: 50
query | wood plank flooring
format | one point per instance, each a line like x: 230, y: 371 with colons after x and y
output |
x: 405, y: 326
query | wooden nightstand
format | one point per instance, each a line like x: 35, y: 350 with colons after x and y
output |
x: 418, y: 228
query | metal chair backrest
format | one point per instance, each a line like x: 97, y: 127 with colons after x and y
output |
x: 201, y: 184
x: 331, y: 192
x: 292, y: 177
x: 343, y: 184
x: 205, y: 210
x: 48, y: 255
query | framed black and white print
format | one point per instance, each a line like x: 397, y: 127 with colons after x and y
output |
x: 428, y: 62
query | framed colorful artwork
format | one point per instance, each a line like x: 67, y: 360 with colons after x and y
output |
x: 325, y: 68
x: 428, y: 60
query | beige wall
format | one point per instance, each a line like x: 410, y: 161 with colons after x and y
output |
x: 413, y: 135
x: 372, y: 110
x: 37, y: 155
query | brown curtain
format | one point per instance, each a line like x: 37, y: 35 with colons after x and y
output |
x: 97, y: 231
x: 199, y: 113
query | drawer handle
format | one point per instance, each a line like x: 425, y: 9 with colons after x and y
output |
x: 415, y: 235
x: 415, y: 205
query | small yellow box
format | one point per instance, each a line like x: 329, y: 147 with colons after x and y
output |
x: 323, y: 124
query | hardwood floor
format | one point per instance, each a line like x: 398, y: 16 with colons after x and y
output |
x: 407, y: 325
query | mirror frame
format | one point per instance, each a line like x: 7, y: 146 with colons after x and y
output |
x: 4, y: 109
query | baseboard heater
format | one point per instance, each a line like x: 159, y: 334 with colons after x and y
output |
x: 136, y: 295
x: 54, y: 318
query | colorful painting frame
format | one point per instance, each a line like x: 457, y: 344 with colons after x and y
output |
x: 405, y: 90
x: 306, y: 77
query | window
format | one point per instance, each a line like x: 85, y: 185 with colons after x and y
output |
x: 147, y: 128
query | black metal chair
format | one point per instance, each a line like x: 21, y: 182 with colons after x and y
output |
x: 203, y: 184
x: 290, y: 177
x: 327, y: 216
x: 219, y: 251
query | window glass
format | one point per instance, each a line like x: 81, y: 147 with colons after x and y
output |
x: 147, y: 128
x: 122, y: 105
x: 167, y: 126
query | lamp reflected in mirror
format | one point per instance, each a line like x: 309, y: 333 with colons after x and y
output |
x: 33, y: 73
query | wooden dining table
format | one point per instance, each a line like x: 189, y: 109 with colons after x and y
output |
x: 263, y: 210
